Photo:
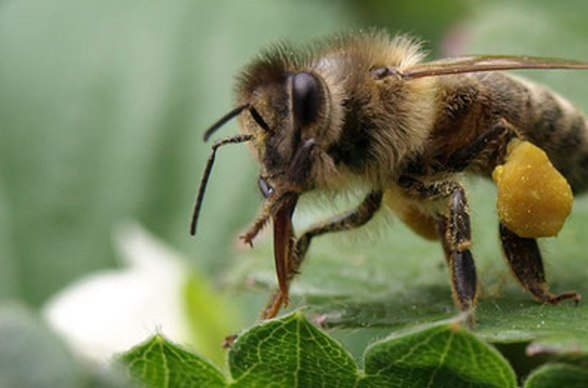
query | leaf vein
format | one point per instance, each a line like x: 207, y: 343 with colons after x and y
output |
x: 441, y: 359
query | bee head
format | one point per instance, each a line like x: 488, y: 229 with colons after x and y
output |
x: 286, y: 116
x: 283, y: 114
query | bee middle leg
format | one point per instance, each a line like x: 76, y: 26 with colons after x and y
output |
x: 524, y: 259
x: 346, y: 221
x: 455, y: 233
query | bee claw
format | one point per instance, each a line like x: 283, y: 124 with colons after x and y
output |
x: 247, y: 240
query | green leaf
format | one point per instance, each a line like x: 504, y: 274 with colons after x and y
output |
x: 441, y: 355
x: 558, y: 375
x: 397, y: 279
x: 159, y: 363
x: 292, y: 352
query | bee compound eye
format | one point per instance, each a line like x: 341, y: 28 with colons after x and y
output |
x: 264, y: 187
x: 306, y: 97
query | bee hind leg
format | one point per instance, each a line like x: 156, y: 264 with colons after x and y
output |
x: 498, y: 134
x: 488, y: 148
x: 524, y: 259
x: 346, y: 221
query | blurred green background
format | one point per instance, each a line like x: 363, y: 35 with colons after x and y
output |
x: 103, y: 105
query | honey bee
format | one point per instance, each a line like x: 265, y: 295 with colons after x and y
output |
x: 364, y: 110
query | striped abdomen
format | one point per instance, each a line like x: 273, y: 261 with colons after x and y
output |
x: 475, y: 102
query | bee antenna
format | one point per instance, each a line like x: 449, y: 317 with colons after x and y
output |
x: 204, y: 181
x: 222, y: 121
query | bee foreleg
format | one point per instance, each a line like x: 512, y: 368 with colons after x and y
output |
x: 346, y: 221
x: 524, y: 259
x: 455, y: 232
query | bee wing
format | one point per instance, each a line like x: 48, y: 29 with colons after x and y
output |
x: 471, y: 64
